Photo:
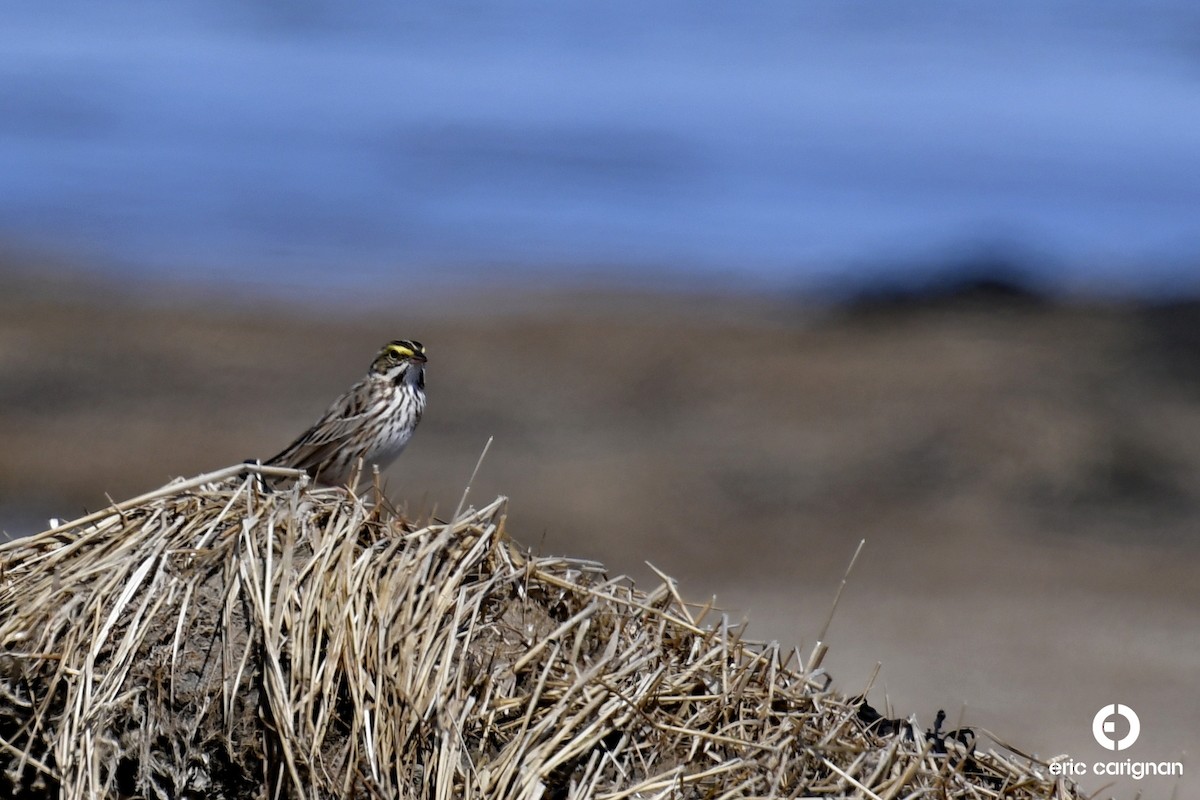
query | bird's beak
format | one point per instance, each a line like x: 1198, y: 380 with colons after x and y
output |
x: 418, y: 357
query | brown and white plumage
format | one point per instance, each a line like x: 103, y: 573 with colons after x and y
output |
x: 373, y: 420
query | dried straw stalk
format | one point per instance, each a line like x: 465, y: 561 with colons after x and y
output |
x: 220, y: 639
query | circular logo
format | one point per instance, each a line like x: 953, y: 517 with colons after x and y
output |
x: 1104, y: 727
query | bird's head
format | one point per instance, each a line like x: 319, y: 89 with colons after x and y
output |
x: 401, y: 360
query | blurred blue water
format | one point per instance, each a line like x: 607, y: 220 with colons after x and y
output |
x: 780, y: 142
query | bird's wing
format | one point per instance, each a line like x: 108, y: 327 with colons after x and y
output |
x: 339, y: 422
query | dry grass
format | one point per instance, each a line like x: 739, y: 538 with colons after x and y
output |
x: 218, y: 639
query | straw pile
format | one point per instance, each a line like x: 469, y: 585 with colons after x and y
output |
x: 221, y: 639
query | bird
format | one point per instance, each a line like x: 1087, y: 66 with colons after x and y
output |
x: 373, y: 421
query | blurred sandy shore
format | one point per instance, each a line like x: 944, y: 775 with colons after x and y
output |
x: 1027, y: 476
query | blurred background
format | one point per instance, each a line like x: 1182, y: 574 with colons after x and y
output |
x: 732, y: 286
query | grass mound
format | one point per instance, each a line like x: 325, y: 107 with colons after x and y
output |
x: 217, y: 639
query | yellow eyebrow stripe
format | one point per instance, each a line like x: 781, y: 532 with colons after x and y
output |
x: 400, y: 350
